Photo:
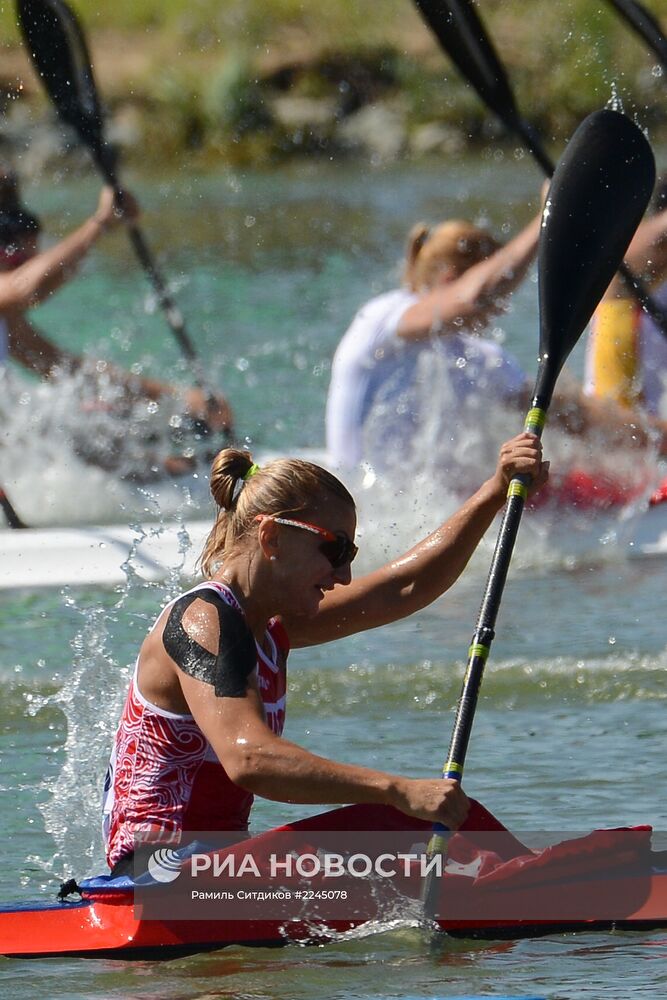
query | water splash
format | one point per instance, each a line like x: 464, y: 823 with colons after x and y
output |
x: 75, y: 450
x: 91, y: 700
x: 615, y: 101
x: 428, y: 451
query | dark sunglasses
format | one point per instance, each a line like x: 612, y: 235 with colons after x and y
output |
x: 337, y: 547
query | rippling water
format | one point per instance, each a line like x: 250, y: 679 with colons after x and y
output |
x: 571, y: 724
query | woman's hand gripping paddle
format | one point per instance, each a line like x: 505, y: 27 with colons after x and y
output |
x: 462, y: 36
x: 57, y: 46
x: 599, y: 192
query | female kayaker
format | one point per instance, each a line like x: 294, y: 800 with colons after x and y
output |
x: 200, y: 733
x: 456, y: 278
x: 29, y: 276
x: 413, y: 375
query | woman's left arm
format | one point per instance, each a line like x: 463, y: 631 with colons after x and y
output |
x: 426, y: 571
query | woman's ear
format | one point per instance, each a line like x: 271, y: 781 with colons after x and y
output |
x: 267, y: 536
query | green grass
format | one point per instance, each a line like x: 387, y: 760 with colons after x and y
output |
x: 198, y: 25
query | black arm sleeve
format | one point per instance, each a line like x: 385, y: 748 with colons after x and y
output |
x: 229, y: 669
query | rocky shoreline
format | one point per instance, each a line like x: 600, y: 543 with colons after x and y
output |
x: 378, y: 104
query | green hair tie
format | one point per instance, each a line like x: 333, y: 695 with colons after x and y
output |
x: 242, y: 480
x: 253, y: 470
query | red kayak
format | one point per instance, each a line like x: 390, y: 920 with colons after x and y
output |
x: 493, y: 887
x: 578, y: 490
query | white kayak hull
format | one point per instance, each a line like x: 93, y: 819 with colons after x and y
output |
x: 104, y: 556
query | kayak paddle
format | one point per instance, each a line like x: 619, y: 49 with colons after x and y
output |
x: 13, y: 520
x: 461, y: 34
x: 598, y: 194
x: 645, y: 25
x: 58, y: 49
x: 457, y: 26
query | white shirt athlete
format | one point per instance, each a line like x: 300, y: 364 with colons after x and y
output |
x: 375, y: 369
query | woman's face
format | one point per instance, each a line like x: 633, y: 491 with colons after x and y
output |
x: 303, y: 572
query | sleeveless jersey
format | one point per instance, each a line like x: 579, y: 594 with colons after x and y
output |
x: 164, y: 777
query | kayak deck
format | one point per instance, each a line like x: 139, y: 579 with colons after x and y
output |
x: 490, y: 886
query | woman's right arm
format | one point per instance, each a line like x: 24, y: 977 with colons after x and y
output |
x: 268, y: 765
x: 34, y: 281
x: 273, y: 767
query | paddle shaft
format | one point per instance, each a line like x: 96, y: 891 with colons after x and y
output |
x: 103, y: 157
x: 480, y: 647
x: 648, y: 29
x: 598, y: 195
x: 13, y: 520
x: 485, y: 628
x: 171, y: 310
x: 465, y: 40
x: 172, y: 313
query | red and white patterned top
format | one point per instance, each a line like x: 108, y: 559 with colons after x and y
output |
x: 164, y: 777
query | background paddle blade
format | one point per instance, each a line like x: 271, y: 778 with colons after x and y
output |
x: 646, y: 26
x: 58, y: 50
x: 461, y: 34
x: 598, y: 195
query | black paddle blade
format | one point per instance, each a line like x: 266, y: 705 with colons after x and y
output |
x: 598, y: 195
x: 58, y: 50
x: 645, y: 25
x: 461, y: 34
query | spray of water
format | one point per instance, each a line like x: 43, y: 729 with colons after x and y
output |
x: 429, y: 448
x: 76, y: 450
x: 91, y: 701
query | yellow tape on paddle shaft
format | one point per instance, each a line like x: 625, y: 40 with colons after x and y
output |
x: 478, y: 649
x: 535, y: 421
x: 517, y: 489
